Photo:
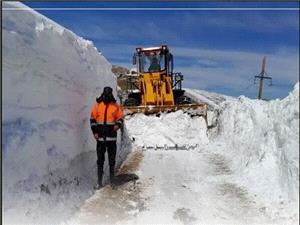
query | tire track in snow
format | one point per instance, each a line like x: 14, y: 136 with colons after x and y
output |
x: 178, y: 187
x: 174, y: 196
x: 110, y: 206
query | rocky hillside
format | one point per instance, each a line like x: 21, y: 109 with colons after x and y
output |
x: 119, y: 70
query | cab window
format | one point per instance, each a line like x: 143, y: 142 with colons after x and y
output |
x: 152, y: 62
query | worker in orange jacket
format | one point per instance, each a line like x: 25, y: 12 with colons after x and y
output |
x: 106, y: 119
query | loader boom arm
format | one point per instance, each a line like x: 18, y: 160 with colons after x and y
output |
x: 156, y: 89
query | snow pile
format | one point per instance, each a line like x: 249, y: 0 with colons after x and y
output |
x: 213, y: 100
x: 262, y: 140
x: 51, y: 78
x: 168, y: 129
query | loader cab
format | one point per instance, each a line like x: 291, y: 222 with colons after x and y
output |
x: 153, y: 60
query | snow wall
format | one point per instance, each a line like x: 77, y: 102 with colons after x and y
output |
x: 51, y: 78
x: 262, y: 140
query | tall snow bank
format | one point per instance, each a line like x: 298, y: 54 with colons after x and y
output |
x: 213, y: 100
x: 51, y: 78
x: 262, y: 139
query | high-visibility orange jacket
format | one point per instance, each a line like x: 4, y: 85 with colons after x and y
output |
x: 103, y: 119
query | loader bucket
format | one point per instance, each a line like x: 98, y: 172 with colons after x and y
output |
x: 192, y: 109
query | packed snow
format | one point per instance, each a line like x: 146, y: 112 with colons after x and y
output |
x: 168, y: 129
x: 50, y: 78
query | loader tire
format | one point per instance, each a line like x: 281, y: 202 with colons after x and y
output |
x: 131, y: 102
x: 183, y: 100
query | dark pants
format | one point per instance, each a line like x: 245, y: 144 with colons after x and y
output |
x: 111, y: 148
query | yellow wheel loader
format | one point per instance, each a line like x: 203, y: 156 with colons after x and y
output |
x: 154, y: 87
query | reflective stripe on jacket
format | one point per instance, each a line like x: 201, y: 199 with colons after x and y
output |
x: 104, y: 117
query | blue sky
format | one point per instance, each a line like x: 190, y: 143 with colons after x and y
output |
x: 216, y: 50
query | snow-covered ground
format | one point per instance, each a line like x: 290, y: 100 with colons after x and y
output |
x: 50, y: 78
x: 175, y: 187
x: 246, y: 173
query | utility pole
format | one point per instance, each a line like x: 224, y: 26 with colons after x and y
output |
x: 261, y: 77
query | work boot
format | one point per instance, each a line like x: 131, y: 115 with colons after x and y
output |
x: 112, y: 175
x: 98, y: 186
x: 100, y: 175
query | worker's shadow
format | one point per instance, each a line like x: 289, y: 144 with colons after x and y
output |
x: 124, y: 178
